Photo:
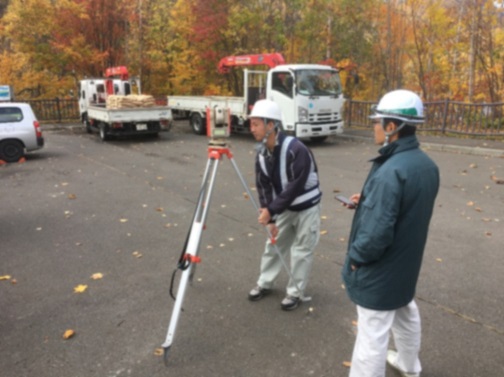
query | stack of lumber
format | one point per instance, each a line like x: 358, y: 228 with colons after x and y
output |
x: 130, y: 101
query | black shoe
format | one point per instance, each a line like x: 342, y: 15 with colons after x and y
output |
x: 290, y: 302
x: 258, y: 293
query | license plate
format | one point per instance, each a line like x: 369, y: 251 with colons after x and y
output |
x: 141, y: 127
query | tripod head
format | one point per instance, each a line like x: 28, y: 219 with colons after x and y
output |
x: 218, y: 124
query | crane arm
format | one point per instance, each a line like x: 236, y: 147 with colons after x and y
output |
x: 271, y: 60
x: 117, y: 72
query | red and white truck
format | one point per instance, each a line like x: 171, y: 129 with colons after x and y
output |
x: 309, y: 95
x: 97, y: 117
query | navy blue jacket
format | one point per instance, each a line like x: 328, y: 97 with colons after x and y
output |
x: 288, y: 177
x: 390, y: 226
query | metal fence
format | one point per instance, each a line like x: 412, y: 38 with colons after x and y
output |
x: 55, y: 110
x: 65, y: 110
x: 441, y: 116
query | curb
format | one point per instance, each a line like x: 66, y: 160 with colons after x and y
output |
x: 476, y: 151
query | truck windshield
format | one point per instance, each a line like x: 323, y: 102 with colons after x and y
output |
x: 318, y: 82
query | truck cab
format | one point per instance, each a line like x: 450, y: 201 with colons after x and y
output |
x: 93, y: 92
x: 310, y: 97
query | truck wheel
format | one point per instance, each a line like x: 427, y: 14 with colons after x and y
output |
x: 87, y: 125
x: 103, y: 132
x: 197, y: 124
x: 11, y: 150
x: 318, y: 139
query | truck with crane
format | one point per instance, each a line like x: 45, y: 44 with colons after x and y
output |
x: 309, y: 95
x: 107, y: 106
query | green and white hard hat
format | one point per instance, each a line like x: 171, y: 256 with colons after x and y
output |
x: 400, y: 104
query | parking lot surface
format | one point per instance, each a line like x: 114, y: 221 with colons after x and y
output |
x: 90, y: 233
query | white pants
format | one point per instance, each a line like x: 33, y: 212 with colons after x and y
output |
x: 298, y: 234
x: 370, y: 350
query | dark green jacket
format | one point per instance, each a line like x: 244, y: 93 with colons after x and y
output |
x: 390, y: 226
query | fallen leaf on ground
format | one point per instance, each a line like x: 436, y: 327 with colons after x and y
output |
x: 439, y: 260
x: 158, y: 352
x: 137, y: 254
x: 72, y: 196
x: 473, y: 166
x: 13, y: 281
x: 322, y: 232
x: 323, y: 217
x: 123, y: 220
x: 68, y: 334
x: 160, y: 209
x: 245, y: 195
x: 470, y: 204
x: 80, y: 288
x: 488, y: 234
x: 354, y: 323
x: 497, y: 180
x: 347, y: 364
x: 5, y: 277
x: 97, y: 276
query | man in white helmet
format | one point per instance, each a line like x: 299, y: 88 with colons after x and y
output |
x: 289, y: 195
x: 387, y: 240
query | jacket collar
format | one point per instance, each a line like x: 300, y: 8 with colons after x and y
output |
x: 398, y: 146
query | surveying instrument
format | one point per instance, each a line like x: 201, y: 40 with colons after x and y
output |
x: 218, y: 122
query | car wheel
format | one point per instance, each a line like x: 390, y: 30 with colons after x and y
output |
x: 103, y: 132
x: 197, y: 124
x: 11, y: 150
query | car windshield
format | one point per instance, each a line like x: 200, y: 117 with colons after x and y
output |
x: 318, y: 82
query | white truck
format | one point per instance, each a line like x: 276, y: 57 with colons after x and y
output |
x: 309, y: 95
x: 108, y: 122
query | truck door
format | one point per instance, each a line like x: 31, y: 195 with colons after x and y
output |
x: 281, y: 91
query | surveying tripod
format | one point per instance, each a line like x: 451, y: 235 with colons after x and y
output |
x: 189, y: 257
x: 218, y: 129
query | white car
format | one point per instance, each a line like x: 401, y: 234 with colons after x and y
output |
x: 20, y: 131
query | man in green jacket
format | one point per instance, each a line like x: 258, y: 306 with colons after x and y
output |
x: 387, y: 241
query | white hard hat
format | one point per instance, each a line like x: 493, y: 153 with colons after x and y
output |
x: 266, y: 108
x: 400, y: 104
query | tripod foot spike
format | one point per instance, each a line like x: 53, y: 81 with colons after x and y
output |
x: 165, y: 355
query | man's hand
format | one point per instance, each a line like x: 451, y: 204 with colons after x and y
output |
x: 354, y: 198
x: 264, y: 216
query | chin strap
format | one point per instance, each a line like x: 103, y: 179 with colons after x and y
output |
x: 268, y: 133
x: 389, y: 134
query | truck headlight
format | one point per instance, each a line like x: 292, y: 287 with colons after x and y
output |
x: 302, y: 114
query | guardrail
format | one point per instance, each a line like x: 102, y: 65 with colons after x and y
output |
x: 441, y: 116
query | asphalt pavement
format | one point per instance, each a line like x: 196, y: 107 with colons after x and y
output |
x: 91, y: 232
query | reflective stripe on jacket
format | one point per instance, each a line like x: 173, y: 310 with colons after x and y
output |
x: 287, y: 178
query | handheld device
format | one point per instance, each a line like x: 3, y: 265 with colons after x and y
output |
x: 345, y: 200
